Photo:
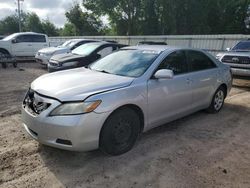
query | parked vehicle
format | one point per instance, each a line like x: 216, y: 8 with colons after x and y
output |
x: 238, y: 58
x: 43, y: 56
x: 23, y: 44
x: 82, y: 55
x: 126, y: 93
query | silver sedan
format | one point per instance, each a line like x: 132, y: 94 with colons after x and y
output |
x: 111, y: 103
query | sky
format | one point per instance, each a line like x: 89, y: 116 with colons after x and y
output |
x: 54, y: 10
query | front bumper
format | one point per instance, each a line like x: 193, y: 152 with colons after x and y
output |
x: 240, y: 72
x: 239, y: 69
x: 75, y: 132
x: 42, y: 59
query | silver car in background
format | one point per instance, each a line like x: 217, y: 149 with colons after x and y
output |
x: 126, y: 93
x: 43, y: 55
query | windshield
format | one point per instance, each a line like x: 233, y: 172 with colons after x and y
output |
x: 10, y: 37
x: 65, y: 44
x: 86, y: 49
x: 131, y: 63
x: 68, y: 43
x: 244, y: 46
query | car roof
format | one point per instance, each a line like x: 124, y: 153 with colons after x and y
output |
x: 29, y: 33
x: 156, y: 48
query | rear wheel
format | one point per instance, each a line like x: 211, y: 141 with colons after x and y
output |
x: 3, y: 55
x: 218, y: 100
x: 120, y: 132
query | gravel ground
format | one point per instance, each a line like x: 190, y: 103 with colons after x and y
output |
x: 201, y: 150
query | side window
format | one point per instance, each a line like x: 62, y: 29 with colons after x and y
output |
x: 176, y: 62
x: 24, y: 38
x: 105, y: 51
x: 199, y: 61
x: 76, y: 45
x: 38, y: 38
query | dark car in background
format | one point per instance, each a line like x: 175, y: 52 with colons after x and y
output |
x: 83, y: 55
x: 238, y: 58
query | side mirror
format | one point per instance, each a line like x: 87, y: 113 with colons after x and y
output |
x: 228, y: 49
x: 14, y: 41
x: 164, y: 74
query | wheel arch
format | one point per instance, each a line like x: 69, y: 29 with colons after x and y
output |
x: 135, y: 108
x: 224, y: 86
x: 4, y: 50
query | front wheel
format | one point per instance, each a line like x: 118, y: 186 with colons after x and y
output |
x: 120, y: 132
x: 218, y: 101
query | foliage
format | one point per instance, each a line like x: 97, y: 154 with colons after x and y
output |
x: 30, y: 22
x: 152, y: 17
x: 84, y: 23
x: 142, y: 17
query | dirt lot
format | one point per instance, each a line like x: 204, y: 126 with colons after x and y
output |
x: 201, y: 150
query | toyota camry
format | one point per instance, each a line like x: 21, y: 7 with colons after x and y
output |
x: 110, y: 103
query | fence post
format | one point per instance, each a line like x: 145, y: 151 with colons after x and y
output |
x: 223, y: 44
x: 190, y: 42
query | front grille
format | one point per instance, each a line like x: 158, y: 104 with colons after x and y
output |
x: 236, y: 59
x: 34, y: 103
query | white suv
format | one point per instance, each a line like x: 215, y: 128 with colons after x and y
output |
x: 23, y: 44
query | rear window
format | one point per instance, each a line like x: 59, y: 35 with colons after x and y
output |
x: 38, y: 38
x: 199, y: 61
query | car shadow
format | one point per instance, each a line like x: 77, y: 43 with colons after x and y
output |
x: 170, y: 145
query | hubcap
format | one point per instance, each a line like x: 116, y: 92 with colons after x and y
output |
x: 218, y: 100
x: 122, y: 132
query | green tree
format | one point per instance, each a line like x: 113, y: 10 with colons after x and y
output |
x: 49, y: 28
x: 33, y: 23
x: 124, y: 15
x: 84, y: 23
x: 9, y: 25
x: 68, y: 30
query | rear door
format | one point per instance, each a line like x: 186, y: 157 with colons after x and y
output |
x: 38, y: 42
x: 203, y: 76
x: 169, y: 99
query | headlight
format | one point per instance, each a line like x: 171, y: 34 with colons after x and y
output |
x: 218, y: 56
x: 68, y: 64
x: 75, y: 108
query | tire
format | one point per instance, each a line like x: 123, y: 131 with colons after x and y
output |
x: 3, y: 54
x: 120, y: 132
x: 217, y: 101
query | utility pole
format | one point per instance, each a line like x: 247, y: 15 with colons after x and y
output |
x: 19, y: 14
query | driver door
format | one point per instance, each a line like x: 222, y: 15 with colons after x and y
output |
x: 169, y: 99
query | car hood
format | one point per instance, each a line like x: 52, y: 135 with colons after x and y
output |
x: 52, y: 50
x: 77, y: 84
x: 66, y: 57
